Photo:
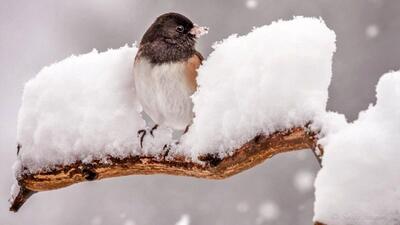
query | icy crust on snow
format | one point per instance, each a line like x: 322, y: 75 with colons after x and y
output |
x: 274, y: 78
x: 81, y: 108
x: 359, y: 182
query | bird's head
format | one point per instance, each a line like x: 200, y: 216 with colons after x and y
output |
x: 173, y: 28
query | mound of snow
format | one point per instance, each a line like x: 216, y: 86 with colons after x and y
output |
x: 274, y: 78
x: 81, y: 108
x: 359, y: 183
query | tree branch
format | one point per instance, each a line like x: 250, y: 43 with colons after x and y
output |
x: 319, y: 223
x: 250, y: 154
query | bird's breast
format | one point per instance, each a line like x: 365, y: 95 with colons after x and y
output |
x: 164, y: 91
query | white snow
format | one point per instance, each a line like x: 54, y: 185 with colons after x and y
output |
x: 328, y: 123
x: 359, y: 183
x: 15, y: 188
x: 85, y: 107
x: 81, y: 108
x: 274, y: 78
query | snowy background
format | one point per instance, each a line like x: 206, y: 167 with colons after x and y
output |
x: 277, y: 192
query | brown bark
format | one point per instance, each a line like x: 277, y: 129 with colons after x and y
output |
x: 250, y: 154
x: 319, y: 223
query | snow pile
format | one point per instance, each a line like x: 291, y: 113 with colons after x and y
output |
x: 359, y: 183
x: 81, y: 108
x: 274, y: 78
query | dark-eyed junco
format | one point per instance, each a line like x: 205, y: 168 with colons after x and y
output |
x: 165, y: 70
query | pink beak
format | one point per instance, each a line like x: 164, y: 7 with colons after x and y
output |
x: 198, y: 31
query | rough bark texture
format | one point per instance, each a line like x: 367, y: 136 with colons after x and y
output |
x: 250, y: 154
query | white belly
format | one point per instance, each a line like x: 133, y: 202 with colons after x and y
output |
x: 164, y: 93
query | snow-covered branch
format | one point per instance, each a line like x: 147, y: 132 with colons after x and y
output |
x: 210, y: 166
x: 259, y: 95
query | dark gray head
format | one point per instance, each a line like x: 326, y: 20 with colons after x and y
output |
x: 172, y: 37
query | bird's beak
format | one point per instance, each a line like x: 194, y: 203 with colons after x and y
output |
x: 198, y: 31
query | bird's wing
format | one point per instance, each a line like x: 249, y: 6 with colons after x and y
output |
x: 191, y: 69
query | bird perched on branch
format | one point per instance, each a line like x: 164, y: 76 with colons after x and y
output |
x: 165, y: 71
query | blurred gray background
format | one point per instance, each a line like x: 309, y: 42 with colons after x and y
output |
x: 36, y: 33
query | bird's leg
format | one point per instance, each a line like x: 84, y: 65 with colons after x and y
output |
x: 166, y: 149
x: 141, y: 134
x: 152, y: 129
x: 186, y: 129
x: 18, y: 148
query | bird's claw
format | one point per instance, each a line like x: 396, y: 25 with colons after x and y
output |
x: 152, y: 129
x: 166, y: 150
x: 186, y: 129
x: 18, y: 148
x: 141, y: 134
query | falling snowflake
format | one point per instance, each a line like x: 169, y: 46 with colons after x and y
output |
x: 303, y: 181
x: 184, y: 220
x: 242, y: 207
x: 97, y: 220
x: 372, y: 31
x: 251, y: 4
x: 129, y: 222
x: 267, y: 211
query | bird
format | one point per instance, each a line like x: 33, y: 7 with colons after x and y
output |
x: 165, y: 71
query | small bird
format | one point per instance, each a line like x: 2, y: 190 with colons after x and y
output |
x: 165, y: 71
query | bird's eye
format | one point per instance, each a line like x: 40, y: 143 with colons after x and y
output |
x: 180, y: 29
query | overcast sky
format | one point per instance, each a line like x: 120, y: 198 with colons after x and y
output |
x: 37, y: 33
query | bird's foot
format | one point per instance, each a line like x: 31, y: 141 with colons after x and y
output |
x: 166, y: 150
x: 186, y: 129
x: 19, y: 146
x: 141, y: 134
x: 152, y: 129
